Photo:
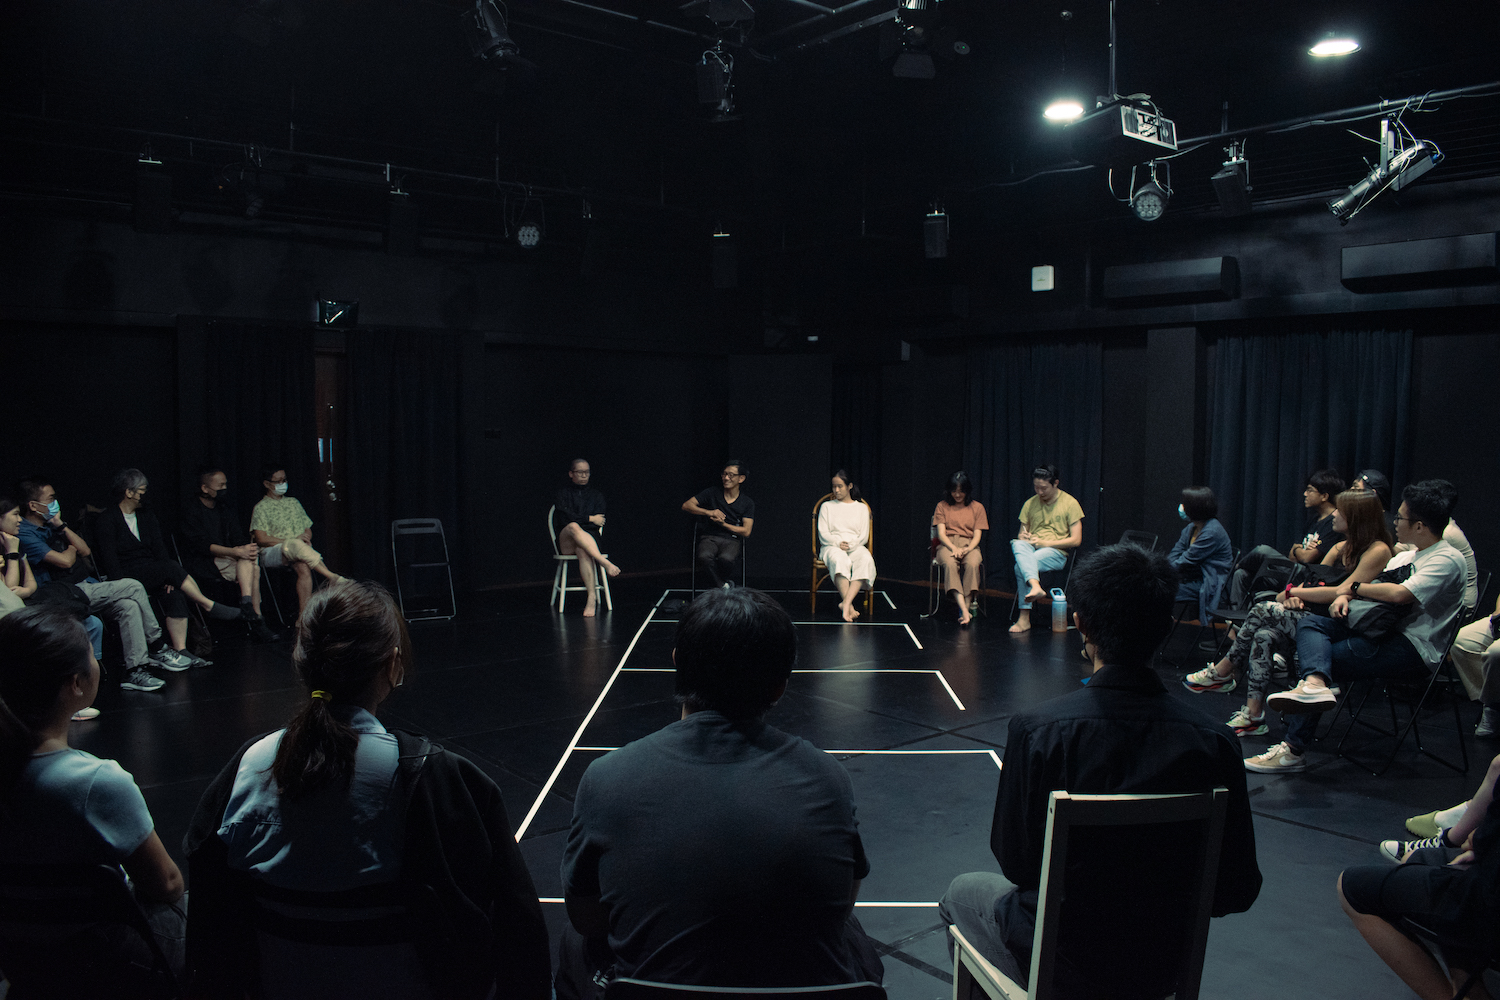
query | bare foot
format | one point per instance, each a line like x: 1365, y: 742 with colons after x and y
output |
x: 848, y: 612
x: 1018, y: 628
x: 611, y: 569
x: 588, y: 611
x: 1035, y: 593
x: 965, y: 618
x: 852, y: 612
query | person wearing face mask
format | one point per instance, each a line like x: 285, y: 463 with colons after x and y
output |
x: 1203, y: 554
x: 59, y: 555
x: 130, y: 544
x: 283, y: 532
x: 218, y: 550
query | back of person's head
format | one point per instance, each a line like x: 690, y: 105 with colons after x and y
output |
x: 1047, y: 472
x: 1123, y: 595
x: 1431, y: 502
x: 41, y: 649
x: 1199, y: 503
x: 959, y: 482
x: 1364, y: 517
x: 735, y: 649
x: 346, y: 637
x: 1379, y: 483
x: 1327, y: 481
x: 848, y: 481
x: 125, y: 481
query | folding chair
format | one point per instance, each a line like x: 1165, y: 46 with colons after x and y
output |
x: 1144, y: 539
x: 934, y: 573
x: 1064, y: 894
x: 560, y: 563
x: 640, y: 989
x: 1049, y: 579
x: 820, y: 568
x: 418, y: 530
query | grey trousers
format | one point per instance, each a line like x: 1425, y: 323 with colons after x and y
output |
x: 124, y: 602
x: 969, y: 903
x: 1476, y: 654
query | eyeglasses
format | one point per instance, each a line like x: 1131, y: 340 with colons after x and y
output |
x: 1408, y: 520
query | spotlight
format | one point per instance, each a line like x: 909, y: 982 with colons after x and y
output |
x: 1396, y: 170
x: 1232, y: 183
x: 1064, y: 109
x: 532, y: 226
x: 1334, y: 45
x: 489, y: 36
x: 1149, y: 201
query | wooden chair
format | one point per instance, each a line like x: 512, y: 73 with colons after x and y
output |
x: 560, y: 588
x: 975, y: 977
x: 640, y: 989
x: 820, y: 568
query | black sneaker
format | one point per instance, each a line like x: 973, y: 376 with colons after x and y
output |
x: 140, y: 679
x: 261, y: 632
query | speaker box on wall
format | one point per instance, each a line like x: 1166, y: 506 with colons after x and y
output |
x: 726, y: 263
x: 1206, y: 279
x: 153, y: 202
x: 1444, y: 262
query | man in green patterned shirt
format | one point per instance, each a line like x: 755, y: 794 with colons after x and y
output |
x: 283, y: 531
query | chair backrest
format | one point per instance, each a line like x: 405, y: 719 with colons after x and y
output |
x: 552, y: 530
x: 44, y: 909
x: 1170, y: 897
x: 1144, y: 539
x: 1480, y: 608
x: 640, y: 989
x: 869, y: 543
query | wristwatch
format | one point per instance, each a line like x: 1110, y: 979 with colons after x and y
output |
x: 1354, y: 589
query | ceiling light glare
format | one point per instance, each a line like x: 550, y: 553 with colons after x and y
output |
x: 1064, y: 110
x: 1334, y: 45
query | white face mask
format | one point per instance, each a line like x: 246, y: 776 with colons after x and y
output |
x: 280, y: 489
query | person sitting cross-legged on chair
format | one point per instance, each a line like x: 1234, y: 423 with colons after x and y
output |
x: 717, y: 851
x: 1430, y: 580
x: 578, y: 517
x: 283, y: 531
x: 1051, y: 524
x: 1091, y: 742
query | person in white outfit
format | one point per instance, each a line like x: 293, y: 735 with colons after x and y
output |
x: 843, y: 540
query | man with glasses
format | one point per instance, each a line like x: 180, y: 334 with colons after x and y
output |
x: 283, y: 532
x: 1428, y: 582
x: 727, y: 516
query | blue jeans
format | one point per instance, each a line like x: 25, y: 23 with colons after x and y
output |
x: 95, y: 628
x: 1030, y: 563
x: 1326, y: 646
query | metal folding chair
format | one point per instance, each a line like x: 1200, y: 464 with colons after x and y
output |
x: 417, y: 530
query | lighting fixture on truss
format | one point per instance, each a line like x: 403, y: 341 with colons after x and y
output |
x: 1403, y: 159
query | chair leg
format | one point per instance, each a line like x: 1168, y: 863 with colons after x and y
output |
x: 562, y: 591
x: 812, y: 595
x: 609, y: 604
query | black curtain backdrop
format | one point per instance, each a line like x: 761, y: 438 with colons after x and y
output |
x: 405, y: 455
x: 1030, y: 405
x: 855, y: 444
x: 258, y: 407
x: 1286, y: 405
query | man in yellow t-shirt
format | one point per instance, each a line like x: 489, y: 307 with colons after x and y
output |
x: 1051, y: 523
x: 283, y: 531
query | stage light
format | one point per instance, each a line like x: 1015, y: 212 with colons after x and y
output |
x: 1063, y: 110
x: 1232, y: 182
x: 1149, y: 201
x: 489, y: 36
x: 1334, y: 45
x: 532, y: 225
x: 1397, y: 169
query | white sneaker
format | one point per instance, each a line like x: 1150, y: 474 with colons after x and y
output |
x: 1489, y: 722
x: 1277, y: 759
x: 1300, y: 701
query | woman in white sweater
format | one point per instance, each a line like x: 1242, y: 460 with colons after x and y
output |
x: 843, y: 540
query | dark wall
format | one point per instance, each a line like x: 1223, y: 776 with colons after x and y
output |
x: 922, y: 446
x: 87, y: 401
x: 1123, y: 476
x: 651, y: 427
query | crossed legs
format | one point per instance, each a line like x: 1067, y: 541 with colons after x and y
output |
x: 574, y: 541
x: 848, y: 590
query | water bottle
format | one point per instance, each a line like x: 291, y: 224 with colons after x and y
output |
x: 1059, y: 610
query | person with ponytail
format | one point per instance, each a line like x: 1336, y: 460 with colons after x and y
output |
x: 335, y: 802
x: 61, y: 806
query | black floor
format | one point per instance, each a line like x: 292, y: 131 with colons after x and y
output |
x: 533, y: 697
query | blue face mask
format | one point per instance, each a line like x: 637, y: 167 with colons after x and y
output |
x: 1181, y: 512
x: 53, y: 509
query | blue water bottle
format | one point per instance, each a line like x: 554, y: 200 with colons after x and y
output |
x: 1059, y: 610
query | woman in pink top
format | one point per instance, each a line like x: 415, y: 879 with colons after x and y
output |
x: 961, y: 523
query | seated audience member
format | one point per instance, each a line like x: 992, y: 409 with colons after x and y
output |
x: 843, y: 542
x: 961, y: 523
x: 578, y: 519
x: 1447, y: 884
x: 1090, y: 742
x: 1453, y: 535
x: 728, y: 516
x: 283, y: 532
x: 1476, y: 654
x: 130, y: 544
x: 1269, y: 632
x: 20, y: 581
x: 1317, y: 496
x: 336, y: 802
x: 717, y: 851
x: 56, y: 551
x: 1428, y: 580
x: 60, y: 806
x: 1203, y: 554
x: 1051, y: 524
x: 218, y: 551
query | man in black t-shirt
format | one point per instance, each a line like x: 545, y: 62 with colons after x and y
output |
x: 1318, y: 496
x: 718, y: 851
x: 727, y: 515
x: 218, y: 552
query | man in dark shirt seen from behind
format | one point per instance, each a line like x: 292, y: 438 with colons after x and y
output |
x: 1123, y: 733
x: 717, y: 851
x: 218, y: 551
x: 578, y: 519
